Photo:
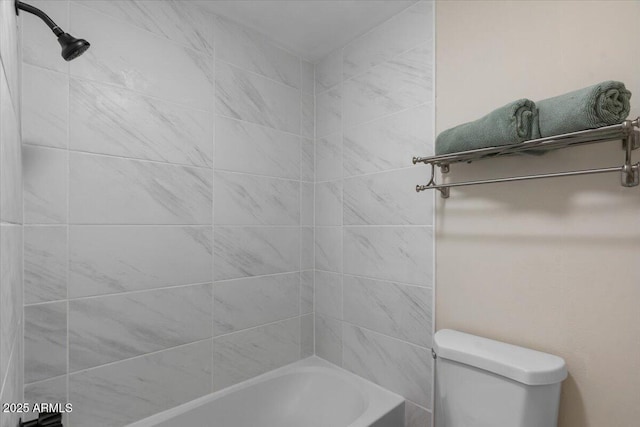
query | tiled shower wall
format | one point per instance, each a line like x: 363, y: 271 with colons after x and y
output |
x: 169, y: 208
x: 374, y: 233
x: 11, y: 349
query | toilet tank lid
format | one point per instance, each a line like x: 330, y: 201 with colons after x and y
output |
x: 520, y: 364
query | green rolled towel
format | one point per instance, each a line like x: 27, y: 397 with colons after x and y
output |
x: 515, y: 122
x: 602, y: 104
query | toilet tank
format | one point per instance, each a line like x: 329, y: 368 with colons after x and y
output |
x: 486, y: 383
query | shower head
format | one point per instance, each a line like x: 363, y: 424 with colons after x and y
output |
x: 71, y: 46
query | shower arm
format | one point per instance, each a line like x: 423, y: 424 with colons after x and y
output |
x: 40, y: 14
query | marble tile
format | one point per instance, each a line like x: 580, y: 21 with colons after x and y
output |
x: 111, y: 328
x: 45, y: 341
x: 45, y: 264
x: 13, y: 385
x: 410, y: 28
x: 256, y: 99
x: 247, y: 49
x: 255, y: 200
x: 105, y: 119
x: 45, y: 185
x: 10, y: 291
x: 328, y: 203
x: 329, y: 158
x: 10, y: 159
x: 173, y: 20
x: 307, y: 246
x: 53, y: 390
x: 328, y: 294
x: 307, y: 160
x: 405, y: 81
x: 329, y: 71
x: 328, y: 250
x: 9, y: 44
x: 245, y: 354
x: 38, y: 46
x: 45, y: 107
x: 415, y: 416
x: 253, y: 301
x: 389, y: 142
x: 141, y: 386
x: 106, y: 190
x: 306, y: 204
x: 306, y: 336
x: 387, y: 198
x: 402, y: 254
x: 307, y: 116
x: 251, y: 148
x: 307, y: 77
x: 329, y: 112
x: 306, y: 291
x: 401, y: 311
x: 328, y: 334
x: 254, y: 251
x: 166, y: 70
x: 395, y: 365
x: 112, y: 259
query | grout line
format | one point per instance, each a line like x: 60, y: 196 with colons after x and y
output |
x: 116, y: 294
x: 57, y: 377
x: 228, y: 171
x: 223, y: 281
x: 377, y: 279
x: 179, y: 346
x: 11, y: 224
x: 313, y: 210
x: 428, y: 226
x: 238, y: 331
x: 269, y: 128
x: 139, y: 356
x: 213, y: 205
x: 373, y: 331
x: 300, y: 210
x: 368, y: 174
x: 133, y: 159
x: 81, y: 225
x: 341, y: 157
x: 80, y: 78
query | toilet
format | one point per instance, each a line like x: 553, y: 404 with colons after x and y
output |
x: 486, y: 383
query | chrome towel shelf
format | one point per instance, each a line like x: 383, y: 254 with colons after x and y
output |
x: 628, y: 132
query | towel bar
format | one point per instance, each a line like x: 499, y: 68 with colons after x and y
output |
x: 628, y: 132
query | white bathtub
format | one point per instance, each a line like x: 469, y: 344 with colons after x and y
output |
x: 308, y: 393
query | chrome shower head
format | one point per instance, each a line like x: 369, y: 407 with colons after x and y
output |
x: 71, y: 46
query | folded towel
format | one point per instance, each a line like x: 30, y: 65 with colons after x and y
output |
x: 515, y: 122
x: 603, y: 104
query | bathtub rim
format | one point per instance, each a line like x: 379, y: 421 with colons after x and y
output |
x: 375, y: 395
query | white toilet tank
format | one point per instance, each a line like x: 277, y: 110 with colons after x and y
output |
x: 486, y: 383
